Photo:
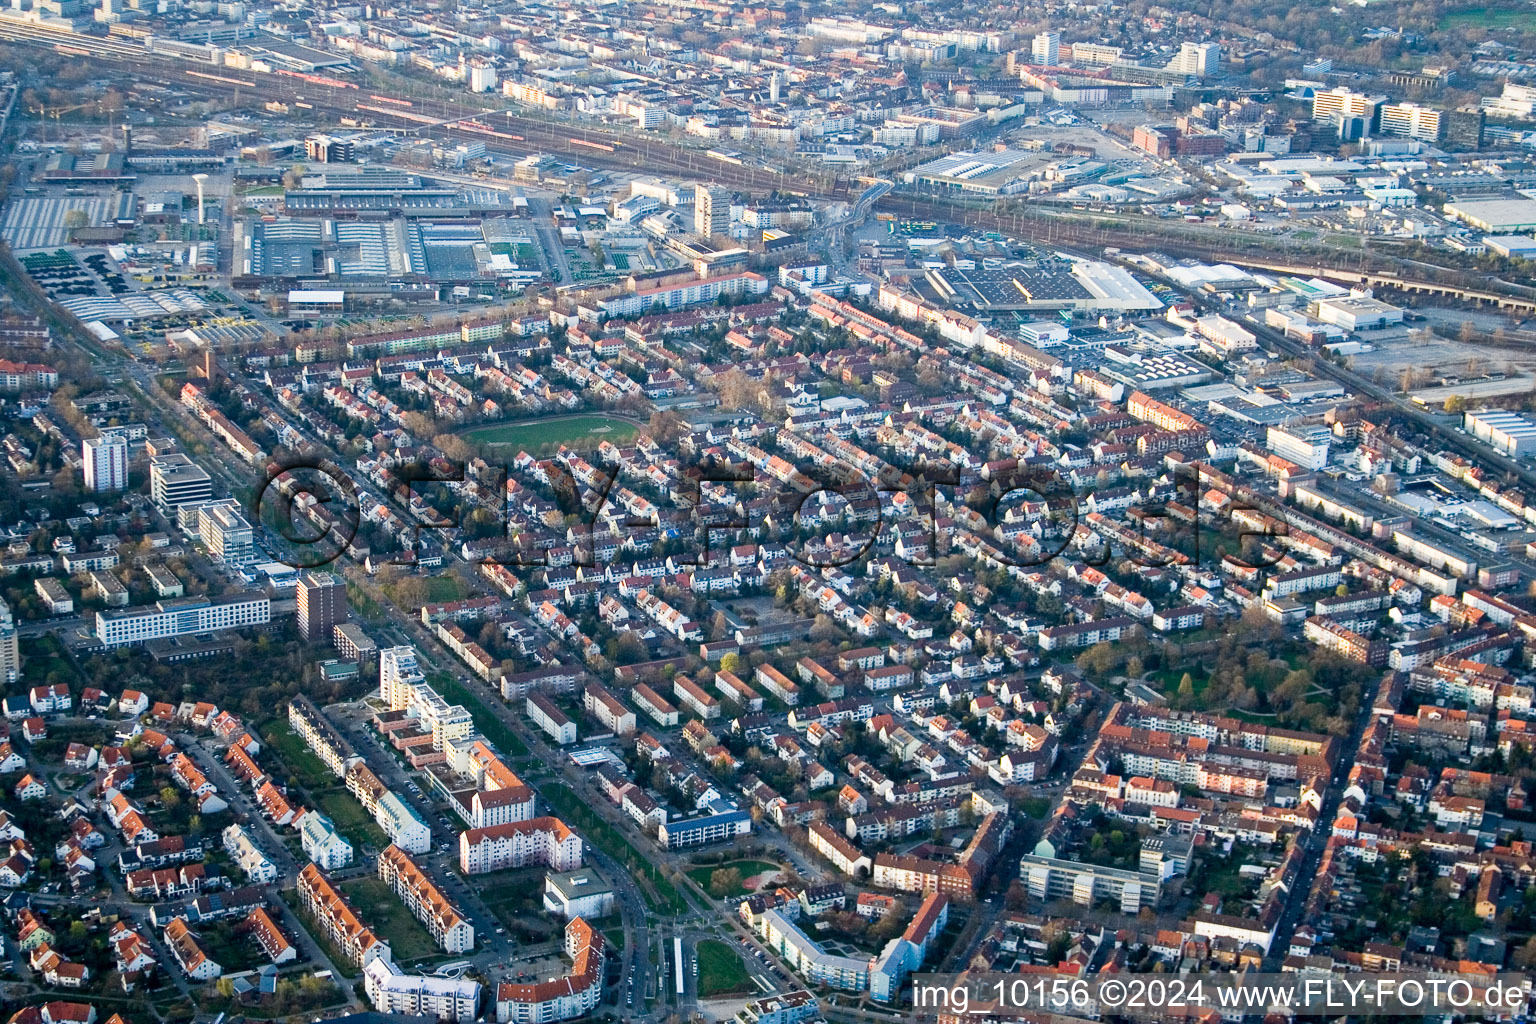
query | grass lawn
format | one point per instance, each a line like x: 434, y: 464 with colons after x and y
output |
x: 748, y: 869
x: 350, y: 818
x: 660, y: 894
x: 1487, y: 17
x: 442, y: 589
x: 571, y: 430
x: 491, y: 727
x: 721, y: 971
x: 305, y: 768
x: 390, y: 921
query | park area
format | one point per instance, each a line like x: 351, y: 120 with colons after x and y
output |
x: 734, y: 878
x: 576, y: 431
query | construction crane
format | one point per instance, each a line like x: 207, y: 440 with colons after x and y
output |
x: 43, y: 110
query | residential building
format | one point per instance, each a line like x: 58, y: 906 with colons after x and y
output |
x: 336, y: 919
x: 518, y: 843
x: 322, y: 843
x: 403, y: 824
x: 322, y: 605
x: 572, y: 995
x: 711, y: 210
x: 104, y: 460
x: 391, y: 990
x: 423, y: 898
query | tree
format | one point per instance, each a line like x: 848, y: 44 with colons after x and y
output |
x: 736, y: 389
x: 1186, y: 688
x: 76, y: 219
x: 1456, y: 404
x: 730, y: 663
x: 169, y: 797
x: 665, y: 425
x: 823, y: 628
x: 724, y: 882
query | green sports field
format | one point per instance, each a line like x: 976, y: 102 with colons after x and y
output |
x: 576, y: 431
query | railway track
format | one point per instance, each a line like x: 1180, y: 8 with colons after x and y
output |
x: 505, y: 132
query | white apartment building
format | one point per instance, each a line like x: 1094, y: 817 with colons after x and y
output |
x: 10, y: 651
x: 398, y: 675
x: 550, y: 718
x: 602, y: 704
x: 403, y: 825
x: 519, y: 843
x: 391, y: 990
x: 322, y: 843
x: 105, y: 462
x: 1199, y: 59
x: 1045, y: 49
x: 258, y: 867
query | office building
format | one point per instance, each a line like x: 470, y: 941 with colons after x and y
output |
x: 711, y: 210
x: 322, y: 605
x: 327, y: 149
x: 1045, y: 49
x: 175, y: 480
x: 1464, y: 129
x: 1199, y: 59
x: 105, y: 462
x: 183, y: 616
x: 1305, y: 446
x: 222, y: 529
x: 1423, y: 123
x: 1339, y: 102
